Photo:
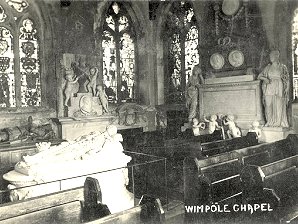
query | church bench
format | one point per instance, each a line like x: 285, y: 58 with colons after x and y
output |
x: 281, y: 164
x: 64, y: 213
x: 224, y: 179
x: 21, y: 208
x: 272, y: 157
x: 291, y: 216
x: 275, y: 183
x: 223, y: 146
x: 146, y: 212
x: 79, y: 205
x: 257, y: 159
x: 221, y: 181
x: 215, y: 136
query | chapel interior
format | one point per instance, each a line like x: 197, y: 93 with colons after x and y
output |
x: 133, y: 110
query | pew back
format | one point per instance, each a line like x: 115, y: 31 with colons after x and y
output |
x: 224, y: 146
x: 14, y: 211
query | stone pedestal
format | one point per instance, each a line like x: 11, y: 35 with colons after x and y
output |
x: 272, y: 134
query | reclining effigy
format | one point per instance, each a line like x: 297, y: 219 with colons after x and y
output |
x: 66, y: 165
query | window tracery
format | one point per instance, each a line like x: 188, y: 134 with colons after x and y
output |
x: 183, y: 49
x: 118, y: 44
x: 20, y: 70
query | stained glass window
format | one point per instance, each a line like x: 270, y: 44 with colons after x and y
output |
x: 7, y: 77
x: 20, y: 71
x: 18, y: 5
x: 29, y: 65
x: 118, y: 55
x: 295, y: 53
x: 183, y: 49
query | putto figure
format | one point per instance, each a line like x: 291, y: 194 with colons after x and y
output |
x: 213, y: 125
x: 233, y: 131
x: 275, y: 87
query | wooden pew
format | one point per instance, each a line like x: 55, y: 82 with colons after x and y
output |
x: 215, y: 136
x: 223, y: 146
x: 149, y: 210
x: 275, y: 183
x: 204, y: 176
x: 223, y: 180
x: 44, y: 209
x: 79, y: 205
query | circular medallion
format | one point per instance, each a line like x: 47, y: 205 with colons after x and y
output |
x: 86, y: 104
x: 230, y: 7
x: 217, y: 61
x: 236, y: 58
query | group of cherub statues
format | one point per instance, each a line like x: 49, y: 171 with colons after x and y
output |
x: 222, y: 122
x: 72, y: 85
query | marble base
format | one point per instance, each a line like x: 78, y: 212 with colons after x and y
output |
x: 272, y: 134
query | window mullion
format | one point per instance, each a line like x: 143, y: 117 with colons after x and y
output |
x: 117, y: 44
x: 183, y: 73
x: 17, y: 69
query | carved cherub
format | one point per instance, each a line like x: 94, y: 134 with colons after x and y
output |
x: 213, y: 125
x: 255, y: 127
x: 233, y: 130
x: 196, y: 126
x: 71, y: 86
x: 103, y: 98
x: 91, y: 85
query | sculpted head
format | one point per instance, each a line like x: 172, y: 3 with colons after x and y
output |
x: 274, y: 56
x: 195, y: 121
x: 196, y: 70
x: 255, y: 124
x: 213, y: 117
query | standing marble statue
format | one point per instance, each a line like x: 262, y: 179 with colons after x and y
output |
x: 192, y: 91
x: 275, y: 87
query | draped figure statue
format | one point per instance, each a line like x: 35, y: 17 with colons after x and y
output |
x: 275, y: 87
x: 192, y: 92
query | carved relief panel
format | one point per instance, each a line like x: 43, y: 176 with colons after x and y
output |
x: 81, y: 86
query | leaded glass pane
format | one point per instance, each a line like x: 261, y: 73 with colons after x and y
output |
x: 191, y: 51
x: 109, y: 66
x: 18, y: 5
x: 111, y: 23
x: 295, y: 53
x: 118, y: 55
x: 127, y: 70
x: 175, y: 59
x: 182, y: 32
x: 29, y: 65
x: 7, y: 79
x: 123, y: 23
x: 3, y: 15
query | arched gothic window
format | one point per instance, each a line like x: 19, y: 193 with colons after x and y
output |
x: 118, y: 44
x: 181, y: 47
x: 20, y: 71
x: 295, y: 53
